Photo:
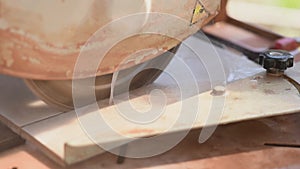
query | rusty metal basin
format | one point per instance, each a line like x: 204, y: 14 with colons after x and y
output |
x: 42, y: 40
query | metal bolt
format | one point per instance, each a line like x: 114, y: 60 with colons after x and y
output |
x: 218, y: 91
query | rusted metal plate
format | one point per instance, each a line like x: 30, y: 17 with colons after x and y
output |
x: 270, y: 97
x: 63, y: 138
x: 237, y: 35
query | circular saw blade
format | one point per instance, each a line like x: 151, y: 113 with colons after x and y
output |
x: 58, y: 93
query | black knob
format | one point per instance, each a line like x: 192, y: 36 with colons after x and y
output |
x: 276, y: 61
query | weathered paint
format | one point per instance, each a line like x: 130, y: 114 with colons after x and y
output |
x: 51, y: 33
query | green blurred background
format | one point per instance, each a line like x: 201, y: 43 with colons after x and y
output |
x: 288, y: 5
x: 282, y: 3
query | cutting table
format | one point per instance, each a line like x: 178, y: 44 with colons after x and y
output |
x: 247, y: 128
x: 221, y: 110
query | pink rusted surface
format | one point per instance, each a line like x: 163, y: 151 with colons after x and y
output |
x: 42, y: 39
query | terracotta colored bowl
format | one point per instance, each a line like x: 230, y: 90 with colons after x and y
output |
x: 43, y: 39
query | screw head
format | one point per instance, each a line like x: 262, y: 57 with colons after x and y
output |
x: 218, y: 91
